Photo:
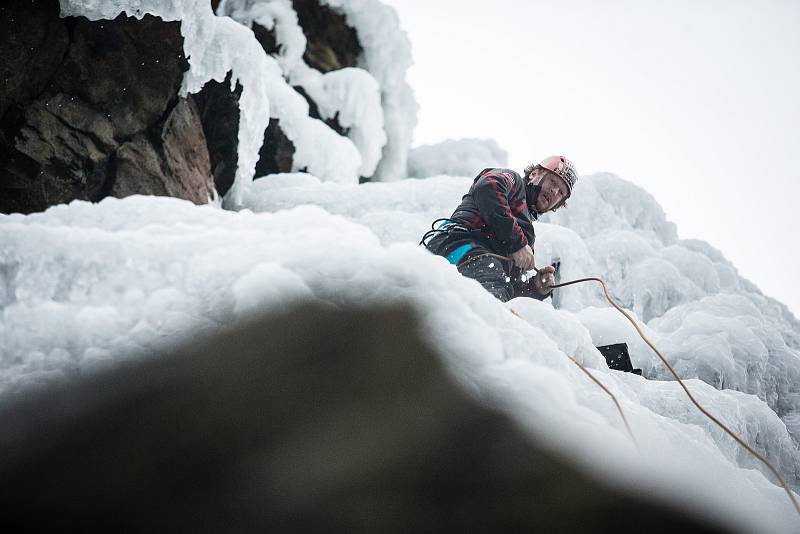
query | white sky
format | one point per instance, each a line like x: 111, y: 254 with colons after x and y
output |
x: 696, y: 101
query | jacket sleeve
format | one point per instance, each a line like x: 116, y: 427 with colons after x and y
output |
x: 491, y: 192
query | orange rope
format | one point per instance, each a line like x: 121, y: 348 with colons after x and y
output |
x: 596, y: 381
x: 719, y: 423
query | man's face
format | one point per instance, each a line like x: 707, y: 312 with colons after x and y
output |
x: 554, y: 190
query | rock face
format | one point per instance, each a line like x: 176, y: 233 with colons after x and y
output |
x: 332, y: 44
x: 218, y: 107
x: 311, y: 420
x: 89, y: 109
x: 277, y: 151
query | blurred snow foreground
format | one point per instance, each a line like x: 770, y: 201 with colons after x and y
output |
x: 82, y: 285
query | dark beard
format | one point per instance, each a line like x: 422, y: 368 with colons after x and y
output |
x: 531, y: 195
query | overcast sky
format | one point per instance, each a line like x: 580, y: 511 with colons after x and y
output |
x: 694, y: 100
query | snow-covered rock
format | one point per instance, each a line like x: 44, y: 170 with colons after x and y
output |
x: 343, y: 123
x: 371, y: 100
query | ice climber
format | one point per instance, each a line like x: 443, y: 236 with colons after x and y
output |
x: 496, y: 216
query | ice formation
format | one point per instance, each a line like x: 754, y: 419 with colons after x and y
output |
x: 387, y: 56
x: 455, y: 157
x: 374, y: 101
x: 351, y: 95
x: 84, y: 285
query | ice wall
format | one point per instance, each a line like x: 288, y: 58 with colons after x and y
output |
x: 387, y: 56
x: 83, y: 286
x: 350, y: 95
x: 712, y: 323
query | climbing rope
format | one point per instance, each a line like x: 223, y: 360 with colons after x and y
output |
x: 604, y: 388
x: 719, y: 423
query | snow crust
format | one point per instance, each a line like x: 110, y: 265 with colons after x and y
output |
x: 83, y: 286
x: 455, y: 157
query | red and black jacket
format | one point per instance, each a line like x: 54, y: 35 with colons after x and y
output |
x: 494, y: 213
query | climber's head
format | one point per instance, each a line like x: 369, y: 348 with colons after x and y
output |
x: 555, y: 178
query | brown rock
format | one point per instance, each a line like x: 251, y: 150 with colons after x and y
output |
x: 138, y: 170
x: 180, y: 168
x: 73, y: 91
x: 266, y: 38
x: 33, y: 42
x: 332, y: 44
x: 128, y: 69
x: 186, y: 154
x: 218, y: 108
x: 69, y: 140
x: 277, y: 151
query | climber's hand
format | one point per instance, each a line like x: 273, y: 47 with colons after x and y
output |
x: 544, y: 280
x: 523, y: 258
